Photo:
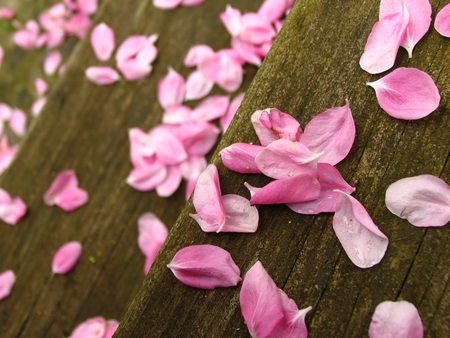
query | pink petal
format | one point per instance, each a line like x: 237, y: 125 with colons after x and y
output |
x: 130, y: 47
x: 197, y: 86
x: 102, y: 75
x: 169, y: 147
x: 52, y: 62
x: 205, y: 267
x: 103, y: 41
x: 199, y: 137
x: 6, y: 13
x: 211, y: 108
x: 91, y: 328
x: 7, y: 153
x: 78, y: 25
x: 246, y: 51
x: 442, y: 21
x: 208, y: 201
x: 146, y: 178
x: 256, y: 29
x: 191, y: 2
x: 396, y: 319
x: 171, y: 89
x: 330, y: 179
x: 111, y: 327
x: 5, y: 112
x: 295, y: 189
x: 171, y: 183
x: 38, y: 105
x: 193, y: 166
x: 283, y: 158
x: 133, y: 70
x: 383, y: 43
x: 66, y: 257
x: 41, y: 86
x: 273, y: 10
x: 177, y: 115
x: 361, y: 239
x: 224, y: 70
x: 225, y: 120
x: 166, y: 4
x: 240, y: 216
x: 142, y: 147
x: 152, y: 234
x: 232, y: 20
x: 149, y: 52
x: 71, y: 199
x: 87, y: 6
x: 7, y: 281
x: 27, y: 36
x: 424, y: 200
x: 407, y: 93
x: 18, y: 122
x: 240, y: 157
x: 2, y: 54
x: 198, y: 54
x: 260, y: 302
x: 64, y: 179
x: 333, y: 132
x: 12, y: 211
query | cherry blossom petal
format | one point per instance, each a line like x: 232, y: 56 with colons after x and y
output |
x: 396, y: 319
x: 166, y: 4
x: 130, y: 47
x: 66, y: 257
x: 141, y: 145
x: 149, y: 52
x: 442, y: 21
x: 198, y: 54
x: 18, y: 122
x: 102, y: 75
x: 103, y: 41
x: 65, y: 179
x: 27, y: 37
x: 240, y: 157
x: 199, y: 137
x: 37, y: 106
x: 171, y: 183
x: 146, y: 178
x: 171, y: 89
x: 273, y: 10
x: 6, y: 13
x: 5, y: 112
x: 111, y: 327
x: 260, y: 302
x: 246, y: 51
x: 87, y: 6
x: 177, y: 115
x: 232, y: 20
x: 224, y: 70
x: 7, y: 153
x: 205, y: 267
x: 7, y: 281
x: 71, y: 199
x: 240, y: 216
x: 332, y: 132
x: 90, y: 328
x: 295, y: 189
x: 133, y: 70
x: 197, y: 86
x: 41, y: 86
x: 78, y: 25
x: 169, y: 147
x: 225, y: 120
x: 256, y: 29
x: 383, y: 43
x: 12, y: 211
x: 52, y: 62
x: 424, y: 200
x: 152, y: 234
x: 211, y: 108
x: 361, y: 239
x: 407, y: 93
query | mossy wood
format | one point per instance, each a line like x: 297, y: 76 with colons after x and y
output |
x: 312, y: 66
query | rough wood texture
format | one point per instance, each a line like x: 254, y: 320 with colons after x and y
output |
x: 314, y: 66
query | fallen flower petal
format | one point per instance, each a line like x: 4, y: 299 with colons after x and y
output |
x: 6, y: 13
x: 171, y: 89
x: 38, y: 105
x: 2, y: 55
x: 424, y: 200
x: 41, y: 86
x: 103, y: 41
x: 205, y: 267
x: 71, y: 199
x: 7, y: 153
x: 102, y: 75
x: 198, y: 54
x: 66, y: 257
x: 133, y: 70
x: 407, y: 93
x: 197, y: 86
x: 11, y: 209
x: 90, y: 328
x: 130, y: 47
x: 191, y: 2
x: 211, y: 108
x: 442, y: 21
x: 225, y: 120
x: 64, y: 192
x: 232, y: 20
x: 146, y: 178
x: 396, y: 319
x: 361, y: 239
x: 171, y: 183
x: 240, y: 157
x: 149, y: 52
x: 111, y: 327
x: 7, y: 281
x: 166, y: 4
x: 18, y: 122
x: 240, y: 216
x: 52, y: 62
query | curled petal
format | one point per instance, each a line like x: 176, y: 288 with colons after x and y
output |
x: 271, y: 124
x: 246, y: 51
x: 149, y: 52
x: 240, y: 157
x: 7, y: 281
x: 66, y: 257
x: 197, y: 86
x: 103, y: 41
x: 424, y: 200
x: 442, y: 21
x: 361, y: 239
x: 169, y: 148
x: 211, y: 108
x: 232, y: 109
x: 205, y: 267
x: 102, y: 75
x: 396, y: 319
x: 171, y: 89
x: 90, y: 328
x: 198, y: 137
x: 407, y: 93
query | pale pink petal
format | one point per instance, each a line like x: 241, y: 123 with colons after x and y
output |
x: 171, y: 89
x: 211, y: 108
x: 197, y: 86
x: 260, y: 302
x: 205, y: 267
x: 361, y: 239
x: 171, y: 183
x: 240, y: 157
x: 102, y: 75
x: 199, y: 137
x: 169, y: 147
x: 5, y: 112
x: 7, y: 281
x: 78, y: 25
x: 90, y: 328
x: 6, y: 13
x: 442, y: 21
x: 7, y: 153
x: 27, y: 36
x: 38, y: 105
x: 65, y: 179
x: 52, y: 62
x: 130, y: 47
x: 133, y: 70
x: 71, y: 199
x: 273, y: 10
x: 18, y: 122
x: 177, y: 115
x: 283, y: 158
x: 41, y: 86
x: 407, y: 93
x: 224, y: 70
x: 147, y: 178
x: 191, y: 2
x: 87, y: 6
x: 152, y: 234
x: 166, y: 4
x: 149, y: 52
x: 111, y: 327
x: 190, y: 187
x: 332, y: 132
x: 141, y: 146
x: 330, y: 179
x: 240, y: 216
x: 246, y: 51
x: 103, y: 41
x: 225, y: 120
x: 396, y: 319
x: 12, y: 212
x: 295, y: 189
x: 383, y: 43
x: 256, y: 29
x: 193, y: 166
x: 232, y: 20
x: 66, y: 257
x: 198, y: 54
x: 424, y: 200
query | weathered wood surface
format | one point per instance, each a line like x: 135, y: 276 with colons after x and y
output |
x: 85, y: 127
x: 314, y: 66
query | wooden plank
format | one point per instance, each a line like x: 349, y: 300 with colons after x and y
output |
x: 314, y: 66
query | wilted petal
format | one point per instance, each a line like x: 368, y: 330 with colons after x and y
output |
x: 205, y: 267
x: 111, y: 327
x: 7, y: 281
x: 11, y: 209
x: 66, y: 257
x: 130, y: 47
x: 442, y: 21
x: 197, y: 86
x: 361, y: 239
x: 71, y: 199
x: 211, y: 108
x: 396, y: 319
x: 260, y: 302
x: 232, y: 20
x: 198, y: 54
x: 240, y: 157
x: 102, y: 75
x: 171, y: 89
x: 225, y: 120
x: 91, y: 328
x: 52, y: 62
x: 18, y: 122
x: 152, y: 234
x: 133, y: 70
x: 103, y: 41
x: 423, y: 200
x: 332, y: 132
x: 407, y: 93
x: 166, y: 4
x: 146, y: 178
